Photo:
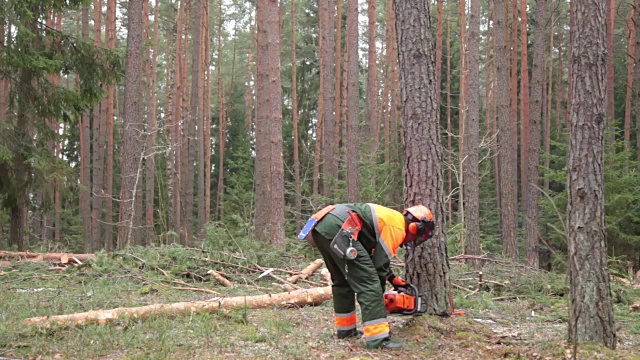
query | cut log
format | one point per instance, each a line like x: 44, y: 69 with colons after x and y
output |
x: 298, y: 298
x: 326, y: 275
x: 306, y: 272
x: 220, y: 278
x: 64, y: 258
x: 635, y: 307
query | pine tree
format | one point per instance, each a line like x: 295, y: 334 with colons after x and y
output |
x: 428, y: 265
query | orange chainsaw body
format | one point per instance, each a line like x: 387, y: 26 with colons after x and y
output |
x: 396, y: 302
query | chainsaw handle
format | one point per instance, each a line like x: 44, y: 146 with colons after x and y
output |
x: 413, y: 291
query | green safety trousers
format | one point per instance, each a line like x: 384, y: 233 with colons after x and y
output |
x: 351, y: 278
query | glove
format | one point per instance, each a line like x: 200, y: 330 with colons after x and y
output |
x: 397, y: 282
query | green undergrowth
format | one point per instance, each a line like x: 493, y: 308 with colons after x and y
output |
x: 518, y: 313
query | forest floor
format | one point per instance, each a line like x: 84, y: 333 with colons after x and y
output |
x: 519, y: 313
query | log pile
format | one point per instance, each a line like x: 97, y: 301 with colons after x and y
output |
x: 63, y: 258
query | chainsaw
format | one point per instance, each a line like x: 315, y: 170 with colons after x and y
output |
x: 405, y: 300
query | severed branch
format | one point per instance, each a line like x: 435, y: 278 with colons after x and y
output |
x: 306, y: 272
x: 298, y: 298
x: 221, y: 279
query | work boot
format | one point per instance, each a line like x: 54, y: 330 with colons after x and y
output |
x: 351, y: 333
x: 385, y: 344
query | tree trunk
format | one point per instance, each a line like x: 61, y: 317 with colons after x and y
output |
x: 439, y: 31
x: 525, y: 132
x: 472, y: 138
x: 449, y: 129
x: 462, y: 114
x: 428, y: 265
x: 85, y: 158
x: 248, y: 117
x: 506, y: 155
x: 338, y: 109
x: 610, y: 20
x: 371, y: 114
x: 547, y: 118
x: 206, y: 116
x: 269, y: 221
x: 353, y: 96
x: 560, y: 95
x: 572, y: 12
x: 221, y: 121
x: 108, y: 204
x: 327, y: 71
x: 186, y: 171
x: 99, y: 132
x: 133, y: 129
x: 294, y: 102
x: 636, y: 95
x: 153, y: 129
x: 531, y: 211
x: 196, y: 112
x: 298, y: 298
x: 591, y: 310
x: 631, y: 50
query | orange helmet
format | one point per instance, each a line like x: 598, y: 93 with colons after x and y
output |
x: 420, y: 223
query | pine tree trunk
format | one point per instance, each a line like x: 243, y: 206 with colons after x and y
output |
x: 531, y: 211
x: 195, y: 121
x: 591, y: 310
x: 338, y: 109
x: 269, y: 221
x: 611, y: 18
x: 186, y: 171
x: 371, y: 113
x: 525, y: 131
x: 449, y: 129
x: 506, y: 154
x: 462, y: 114
x: 472, y: 138
x: 353, y: 118
x: 152, y: 129
x: 108, y: 200
x: 294, y: 102
x: 631, y: 50
x: 133, y: 130
x: 221, y: 121
x: 547, y: 118
x: 560, y: 94
x: 439, y: 32
x: 85, y: 158
x: 572, y: 12
x: 99, y: 130
x: 636, y: 89
x: 248, y: 118
x: 317, y: 154
x: 428, y: 265
x: 207, y: 111
x: 327, y: 71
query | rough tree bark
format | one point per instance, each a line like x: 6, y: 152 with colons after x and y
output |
x: 327, y: 71
x: 428, y: 265
x: 371, y: 114
x: 98, y: 132
x: 353, y: 96
x: 472, y: 138
x: 525, y: 131
x: 108, y: 205
x: 85, y: 157
x: 131, y: 180
x: 610, y: 20
x: 197, y: 8
x: 506, y: 155
x: 294, y: 101
x: 590, y: 310
x: 269, y: 221
x: 631, y: 49
x: 531, y: 211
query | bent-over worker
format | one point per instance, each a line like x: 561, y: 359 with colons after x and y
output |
x: 357, y: 242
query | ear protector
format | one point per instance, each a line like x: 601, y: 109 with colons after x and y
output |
x: 419, y: 228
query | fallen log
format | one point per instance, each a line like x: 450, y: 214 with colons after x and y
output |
x: 298, y: 298
x: 64, y: 258
x: 306, y: 272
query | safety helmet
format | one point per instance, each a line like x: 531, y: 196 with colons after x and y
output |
x: 420, y: 223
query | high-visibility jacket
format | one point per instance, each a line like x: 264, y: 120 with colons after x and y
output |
x: 382, y: 233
